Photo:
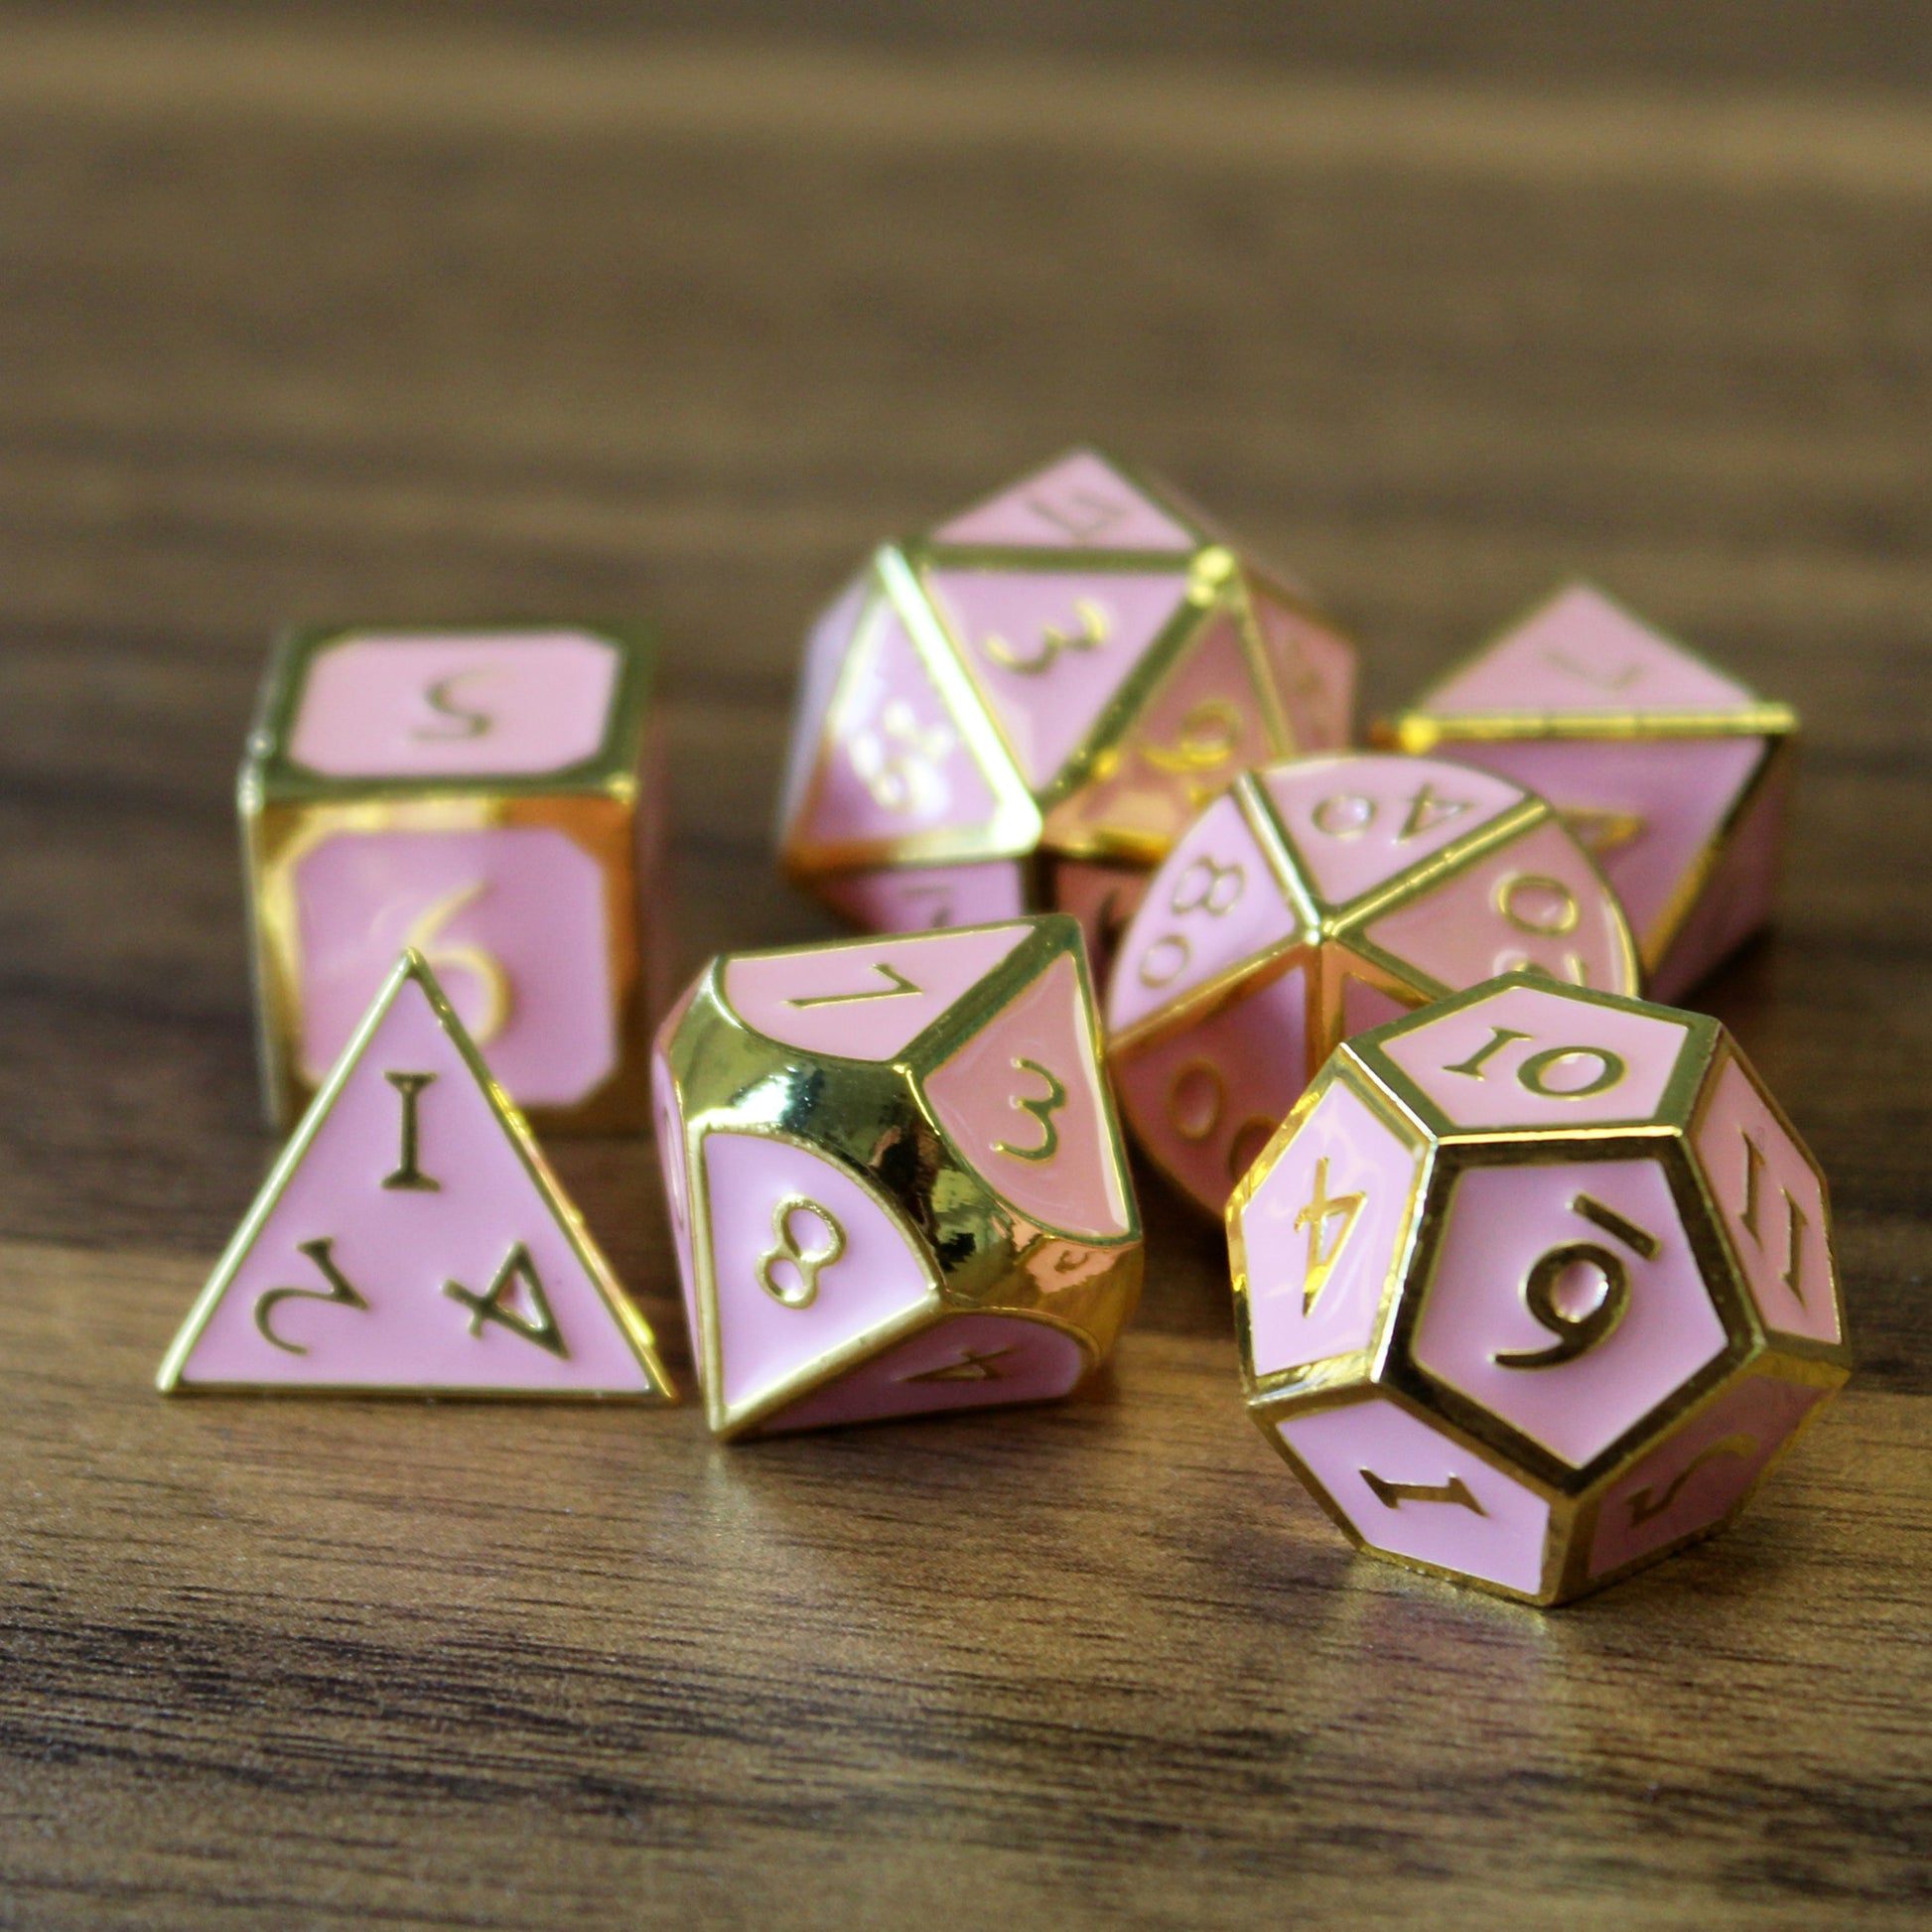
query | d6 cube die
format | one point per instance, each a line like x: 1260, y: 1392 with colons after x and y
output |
x: 1024, y: 707
x: 1674, y: 775
x: 894, y: 1177
x: 1316, y: 898
x: 494, y: 799
x: 1534, y: 1286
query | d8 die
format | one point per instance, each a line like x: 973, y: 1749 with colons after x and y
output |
x: 894, y: 1177
x: 1024, y: 707
x: 1317, y: 899
x: 1674, y: 775
x: 1534, y: 1287
x: 491, y: 798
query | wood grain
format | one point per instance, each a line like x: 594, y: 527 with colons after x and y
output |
x: 312, y: 313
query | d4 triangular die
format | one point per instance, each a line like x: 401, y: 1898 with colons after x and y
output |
x: 411, y: 1240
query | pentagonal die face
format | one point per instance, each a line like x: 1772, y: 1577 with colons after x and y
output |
x: 814, y: 1263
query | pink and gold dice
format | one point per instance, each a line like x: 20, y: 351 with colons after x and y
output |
x: 1674, y: 775
x: 1317, y: 897
x: 1024, y: 706
x: 1534, y: 1287
x: 489, y: 798
x: 894, y: 1177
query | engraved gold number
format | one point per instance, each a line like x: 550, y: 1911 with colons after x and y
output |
x: 1316, y: 1213
x: 1345, y: 815
x: 1043, y: 1107
x: 1577, y: 1331
x: 487, y: 971
x: 1082, y: 514
x: 1599, y: 830
x: 1094, y: 632
x: 897, y: 986
x: 1534, y: 1072
x: 1535, y: 904
x: 1390, y: 1494
x: 1196, y: 1105
x: 806, y: 1265
x: 1647, y: 1502
x: 1499, y: 1037
x: 1795, y: 1219
x: 407, y: 1174
x: 1207, y: 886
x: 1426, y: 811
x: 539, y: 1327
x: 1206, y: 742
x: 901, y: 762
x: 339, y: 1291
x: 467, y: 723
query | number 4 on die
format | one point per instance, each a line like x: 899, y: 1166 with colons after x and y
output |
x: 411, y: 1240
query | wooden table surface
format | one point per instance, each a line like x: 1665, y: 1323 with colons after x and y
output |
x: 430, y: 312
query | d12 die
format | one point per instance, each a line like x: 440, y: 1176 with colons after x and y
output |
x: 490, y: 797
x: 1027, y: 705
x: 894, y: 1177
x: 1319, y: 897
x: 1674, y: 775
x: 1534, y: 1287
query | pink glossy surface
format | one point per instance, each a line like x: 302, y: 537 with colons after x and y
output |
x: 1046, y: 712
x: 1080, y: 502
x: 1363, y: 819
x: 827, y: 644
x: 1699, y: 1473
x: 1329, y: 1216
x: 439, y: 704
x: 1497, y: 1534
x: 1205, y: 1101
x: 1313, y: 669
x: 917, y: 898
x: 897, y: 763
x: 398, y: 1247
x: 1499, y: 1222
x: 1627, y: 1057
x: 1582, y: 652
x: 1647, y: 808
x: 1201, y: 728
x: 1535, y: 901
x: 1024, y: 1102
x: 863, y: 1000
x: 1212, y: 904
x: 512, y: 919
x: 1765, y: 1198
x: 1365, y: 1005
x: 876, y: 1273
x: 968, y: 1361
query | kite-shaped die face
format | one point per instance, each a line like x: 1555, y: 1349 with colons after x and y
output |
x: 1319, y: 897
x: 1550, y: 1238
x: 899, y: 1177
x: 1671, y: 772
x: 1053, y: 682
x: 491, y: 798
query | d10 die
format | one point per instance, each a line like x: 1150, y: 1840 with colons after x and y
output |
x: 894, y: 1177
x: 1317, y: 899
x: 1025, y: 706
x: 1535, y: 1286
x: 491, y: 799
x: 1672, y: 774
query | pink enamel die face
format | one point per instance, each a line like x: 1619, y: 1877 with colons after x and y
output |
x: 512, y: 920
x: 438, y: 704
x: 1080, y: 502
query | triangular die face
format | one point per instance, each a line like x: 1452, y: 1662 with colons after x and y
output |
x: 827, y: 645
x: 1202, y: 726
x: 411, y: 1241
x: 868, y: 999
x: 805, y: 1264
x: 968, y: 1361
x: 1080, y: 502
x: 1049, y: 649
x: 1313, y: 668
x: 1024, y: 1103
x: 896, y: 761
x: 1581, y: 654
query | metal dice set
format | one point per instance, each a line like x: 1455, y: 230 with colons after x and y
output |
x: 1533, y: 1280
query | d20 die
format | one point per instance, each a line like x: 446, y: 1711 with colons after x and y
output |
x: 1674, y: 775
x: 1319, y: 897
x: 1534, y: 1287
x: 1024, y: 706
x: 490, y: 797
x: 894, y: 1177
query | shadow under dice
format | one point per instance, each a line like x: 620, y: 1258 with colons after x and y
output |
x: 1672, y: 774
x: 490, y: 799
x: 1534, y: 1286
x: 894, y: 1177
x: 1027, y: 705
x: 1317, y: 899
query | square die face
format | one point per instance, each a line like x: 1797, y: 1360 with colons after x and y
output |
x: 511, y: 704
